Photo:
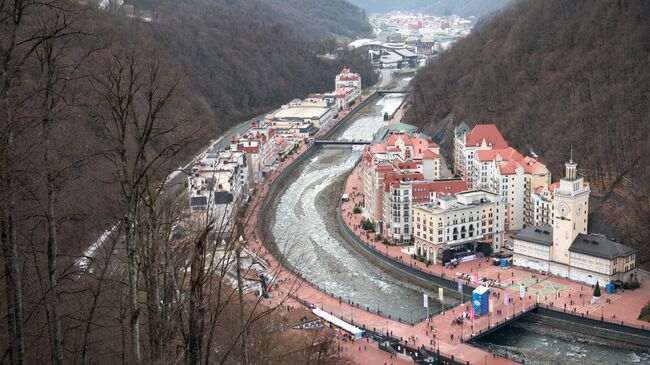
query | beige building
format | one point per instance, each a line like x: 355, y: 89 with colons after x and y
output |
x: 564, y: 248
x: 457, y: 223
x: 401, y: 154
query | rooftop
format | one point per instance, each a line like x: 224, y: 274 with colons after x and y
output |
x: 301, y: 112
x: 600, y: 246
x: 487, y: 132
x: 542, y: 235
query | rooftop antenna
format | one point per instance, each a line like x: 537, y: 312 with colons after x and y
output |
x: 571, y: 156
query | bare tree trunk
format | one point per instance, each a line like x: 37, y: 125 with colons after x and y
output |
x: 196, y: 313
x: 10, y: 253
x: 11, y: 318
x: 133, y: 289
x: 242, y: 318
x: 52, y: 248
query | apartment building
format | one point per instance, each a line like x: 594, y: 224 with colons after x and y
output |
x: 457, y: 223
x: 542, y: 203
x: 468, y: 141
x: 485, y: 160
x: 400, y: 154
x: 402, y: 191
x: 260, y: 148
x: 217, y: 184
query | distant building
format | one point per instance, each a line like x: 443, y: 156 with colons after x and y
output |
x: 259, y: 145
x: 217, y: 185
x: 299, y: 119
x: 346, y: 78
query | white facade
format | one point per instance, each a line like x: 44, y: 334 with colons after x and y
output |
x: 470, y: 216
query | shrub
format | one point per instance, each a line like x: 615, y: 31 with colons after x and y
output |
x: 631, y: 285
x: 367, y: 225
x: 645, y: 313
x: 356, y: 210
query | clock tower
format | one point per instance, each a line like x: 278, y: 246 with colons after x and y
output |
x: 571, y: 209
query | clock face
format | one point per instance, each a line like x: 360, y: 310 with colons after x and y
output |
x: 563, y: 209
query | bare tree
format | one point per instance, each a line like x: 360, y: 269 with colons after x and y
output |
x: 142, y: 137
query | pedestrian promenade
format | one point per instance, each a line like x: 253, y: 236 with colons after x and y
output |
x: 438, y: 333
x: 555, y: 292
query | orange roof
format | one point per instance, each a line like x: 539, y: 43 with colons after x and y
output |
x: 393, y: 179
x: 551, y: 188
x: 393, y: 138
x: 531, y: 165
x: 420, y: 191
x: 506, y: 154
x: 508, y: 167
x: 428, y: 154
x: 407, y: 164
x: 487, y: 132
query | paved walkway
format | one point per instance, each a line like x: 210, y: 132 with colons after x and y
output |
x: 439, y: 332
x: 555, y: 292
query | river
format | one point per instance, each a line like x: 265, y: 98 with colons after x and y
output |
x: 540, y: 344
x: 305, y: 229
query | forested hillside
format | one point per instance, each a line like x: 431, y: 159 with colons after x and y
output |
x: 241, y: 66
x: 464, y: 8
x: 554, y: 74
x: 96, y: 109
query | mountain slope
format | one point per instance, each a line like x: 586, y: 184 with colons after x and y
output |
x: 552, y: 74
x: 311, y: 18
x: 243, y: 61
x: 464, y: 8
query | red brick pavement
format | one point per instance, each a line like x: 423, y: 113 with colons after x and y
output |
x: 436, y: 333
x: 570, y: 296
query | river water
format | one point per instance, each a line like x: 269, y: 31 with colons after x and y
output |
x: 305, y: 229
x: 540, y: 344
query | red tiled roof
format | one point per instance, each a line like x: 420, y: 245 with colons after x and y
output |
x: 508, y: 167
x: 440, y: 186
x: 407, y: 164
x: 506, y: 154
x: 531, y: 165
x: 249, y: 149
x: 394, y: 179
x: 551, y: 188
x: 428, y: 154
x: 487, y: 132
x: 377, y: 148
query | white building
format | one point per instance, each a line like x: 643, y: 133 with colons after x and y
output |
x: 467, y: 142
x: 259, y: 146
x: 564, y: 248
x: 458, y: 223
x: 217, y: 184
